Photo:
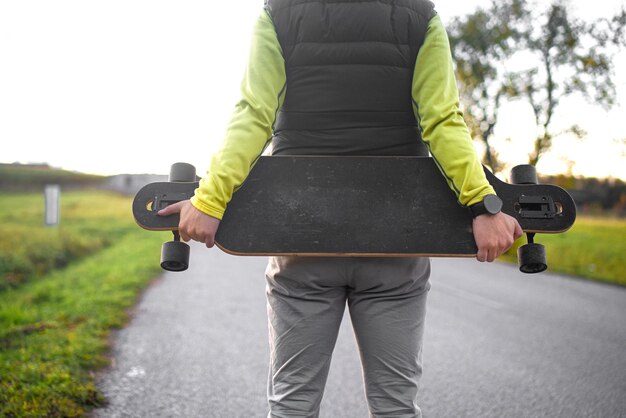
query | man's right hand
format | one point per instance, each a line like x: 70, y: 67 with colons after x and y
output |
x: 193, y: 224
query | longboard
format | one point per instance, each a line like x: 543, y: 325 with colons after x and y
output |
x: 355, y: 206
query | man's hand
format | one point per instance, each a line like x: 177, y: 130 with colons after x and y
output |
x: 193, y: 224
x: 494, y: 235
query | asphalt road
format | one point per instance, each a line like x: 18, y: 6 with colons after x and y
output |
x: 498, y: 344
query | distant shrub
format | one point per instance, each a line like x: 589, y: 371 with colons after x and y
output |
x: 26, y: 177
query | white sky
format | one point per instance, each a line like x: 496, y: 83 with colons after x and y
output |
x: 131, y: 86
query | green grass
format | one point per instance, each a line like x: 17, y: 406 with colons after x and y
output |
x: 90, y: 221
x: 593, y: 248
x: 54, y: 327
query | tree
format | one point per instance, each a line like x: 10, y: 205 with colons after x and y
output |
x: 560, y: 56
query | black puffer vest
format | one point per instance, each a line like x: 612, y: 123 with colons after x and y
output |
x: 349, y: 66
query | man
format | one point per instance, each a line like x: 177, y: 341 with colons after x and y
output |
x: 345, y: 77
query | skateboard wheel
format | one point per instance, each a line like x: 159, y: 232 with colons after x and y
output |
x: 532, y: 258
x: 182, y: 172
x: 524, y: 174
x: 174, y: 256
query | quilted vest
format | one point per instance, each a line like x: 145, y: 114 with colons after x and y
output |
x: 349, y: 67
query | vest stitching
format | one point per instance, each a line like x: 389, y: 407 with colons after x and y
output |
x: 274, y: 9
x: 346, y: 42
x: 408, y: 67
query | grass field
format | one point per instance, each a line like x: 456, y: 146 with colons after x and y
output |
x: 55, y: 320
x: 63, y: 289
x: 90, y: 222
x: 593, y: 248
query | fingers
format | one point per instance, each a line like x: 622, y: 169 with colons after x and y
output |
x: 183, y: 235
x: 190, y: 232
x: 487, y: 254
x: 193, y: 224
x: 481, y: 255
x: 171, y: 209
x: 186, y: 233
x: 494, y: 235
x: 518, y: 230
x: 490, y: 255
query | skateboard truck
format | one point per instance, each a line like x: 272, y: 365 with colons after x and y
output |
x: 532, y: 256
x: 175, y: 253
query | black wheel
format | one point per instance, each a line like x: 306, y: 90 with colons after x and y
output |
x: 174, y: 256
x: 524, y: 174
x: 532, y: 258
x: 182, y: 172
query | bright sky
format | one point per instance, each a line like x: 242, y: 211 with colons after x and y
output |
x: 130, y: 86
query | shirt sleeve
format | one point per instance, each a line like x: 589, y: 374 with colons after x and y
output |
x: 250, y: 128
x: 436, y: 106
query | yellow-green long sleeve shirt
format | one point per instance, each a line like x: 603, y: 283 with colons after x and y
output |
x: 435, y: 103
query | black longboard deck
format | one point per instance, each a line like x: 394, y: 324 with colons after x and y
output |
x: 370, y: 206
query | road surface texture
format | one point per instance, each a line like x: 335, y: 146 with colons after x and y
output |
x: 498, y: 344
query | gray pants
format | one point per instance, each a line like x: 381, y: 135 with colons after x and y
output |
x: 306, y: 301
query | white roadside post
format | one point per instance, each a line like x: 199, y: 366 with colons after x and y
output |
x: 52, y: 193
